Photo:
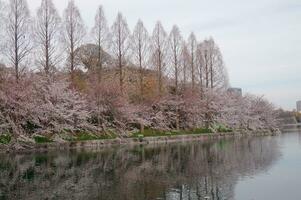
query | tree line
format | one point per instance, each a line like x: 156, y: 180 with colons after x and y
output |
x: 53, y: 81
x: 45, y: 37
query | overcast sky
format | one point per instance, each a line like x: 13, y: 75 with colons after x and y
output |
x: 260, y: 39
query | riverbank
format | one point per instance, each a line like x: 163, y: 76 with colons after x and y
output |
x: 65, y: 145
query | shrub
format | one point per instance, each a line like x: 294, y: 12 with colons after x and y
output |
x: 5, y: 139
x: 41, y: 139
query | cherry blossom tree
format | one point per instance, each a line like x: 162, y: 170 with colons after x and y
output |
x: 51, y: 106
x: 42, y: 107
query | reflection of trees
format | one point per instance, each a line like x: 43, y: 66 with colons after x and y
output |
x: 175, y: 171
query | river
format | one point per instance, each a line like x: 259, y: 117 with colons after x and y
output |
x: 248, y: 168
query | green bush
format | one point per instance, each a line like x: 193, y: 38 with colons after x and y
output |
x: 224, y: 129
x: 5, y: 139
x: 85, y: 136
x: 42, y: 139
x: 140, y: 137
x: 221, y: 128
x: 30, y: 127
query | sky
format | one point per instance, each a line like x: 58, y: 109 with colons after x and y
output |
x: 260, y: 39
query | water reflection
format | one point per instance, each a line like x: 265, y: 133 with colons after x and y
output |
x: 173, y: 172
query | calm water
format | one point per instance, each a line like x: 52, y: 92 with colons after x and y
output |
x: 257, y: 168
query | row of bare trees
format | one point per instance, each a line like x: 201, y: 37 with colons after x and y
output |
x: 135, y: 79
x: 46, y: 37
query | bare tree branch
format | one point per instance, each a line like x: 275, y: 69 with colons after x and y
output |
x: 140, y: 47
x: 74, y: 33
x: 47, y: 30
x: 18, y: 27
x: 175, y: 41
x: 192, y: 45
x: 100, y: 33
x: 159, y: 53
x: 120, y: 45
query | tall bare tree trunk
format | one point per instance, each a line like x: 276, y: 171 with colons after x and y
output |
x: 175, y: 40
x: 17, y: 30
x: 140, y: 48
x: 47, y: 35
x: 120, y: 45
x: 74, y: 33
x: 192, y: 48
x: 100, y: 33
x: 159, y: 40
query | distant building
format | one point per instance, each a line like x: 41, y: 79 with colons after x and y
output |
x: 299, y: 106
x: 235, y: 91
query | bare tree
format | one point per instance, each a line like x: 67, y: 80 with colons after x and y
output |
x: 140, y: 47
x: 200, y: 64
x: 18, y: 28
x: 159, y: 51
x: 120, y: 45
x: 1, y: 13
x: 214, y: 75
x: 74, y: 32
x: 100, y: 33
x: 175, y: 41
x: 184, y: 62
x: 2, y: 21
x: 47, y: 35
x: 192, y: 45
x: 213, y: 68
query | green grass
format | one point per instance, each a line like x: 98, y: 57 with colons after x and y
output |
x: 5, y: 139
x: 83, y: 136
x: 199, y: 131
x: 222, y: 128
x: 41, y: 139
x: 156, y: 133
x: 151, y: 133
x: 148, y: 132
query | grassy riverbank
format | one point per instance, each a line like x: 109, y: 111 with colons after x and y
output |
x: 156, y: 133
x: 85, y: 140
x: 6, y: 139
